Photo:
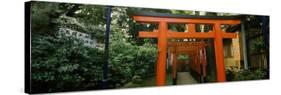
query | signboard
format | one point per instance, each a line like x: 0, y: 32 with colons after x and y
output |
x: 86, y: 38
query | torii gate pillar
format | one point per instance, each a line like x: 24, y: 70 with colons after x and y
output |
x: 162, y: 54
x: 218, y: 42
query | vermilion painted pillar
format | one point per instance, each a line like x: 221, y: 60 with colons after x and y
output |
x: 198, y: 61
x: 162, y: 54
x: 174, y: 68
x: 197, y: 64
x: 219, y: 53
x: 204, y: 63
x: 174, y: 65
x: 193, y: 62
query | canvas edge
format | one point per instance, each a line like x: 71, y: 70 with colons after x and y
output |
x: 27, y: 55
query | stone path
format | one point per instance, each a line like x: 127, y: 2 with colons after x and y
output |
x: 185, y: 78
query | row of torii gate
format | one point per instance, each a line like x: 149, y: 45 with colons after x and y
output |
x: 196, y: 53
x: 195, y: 49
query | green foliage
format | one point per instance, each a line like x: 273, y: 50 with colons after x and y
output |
x: 60, y: 64
x: 182, y: 57
x: 63, y: 63
x: 129, y: 62
x: 246, y: 75
x: 257, y: 45
x: 250, y: 75
x: 48, y: 11
x: 48, y: 17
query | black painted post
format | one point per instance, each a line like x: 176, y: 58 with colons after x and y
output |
x: 265, y: 30
x: 106, y: 48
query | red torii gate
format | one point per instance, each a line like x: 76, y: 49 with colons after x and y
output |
x: 162, y: 34
x: 195, y: 50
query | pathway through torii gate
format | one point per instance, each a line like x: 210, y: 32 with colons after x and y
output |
x: 163, y: 34
x: 197, y: 57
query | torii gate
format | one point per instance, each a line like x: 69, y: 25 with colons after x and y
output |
x: 195, y: 50
x: 162, y: 34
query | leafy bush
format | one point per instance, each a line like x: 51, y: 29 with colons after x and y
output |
x: 246, y: 75
x: 250, y: 75
x: 129, y: 62
x: 60, y: 64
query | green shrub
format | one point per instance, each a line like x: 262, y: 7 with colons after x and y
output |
x: 60, y: 64
x: 250, y: 75
x: 128, y: 61
x: 182, y: 57
x: 246, y: 75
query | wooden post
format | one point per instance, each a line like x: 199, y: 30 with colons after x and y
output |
x: 204, y: 62
x: 198, y: 61
x: 174, y: 67
x: 219, y: 53
x: 192, y: 63
x: 162, y: 54
x: 191, y: 28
